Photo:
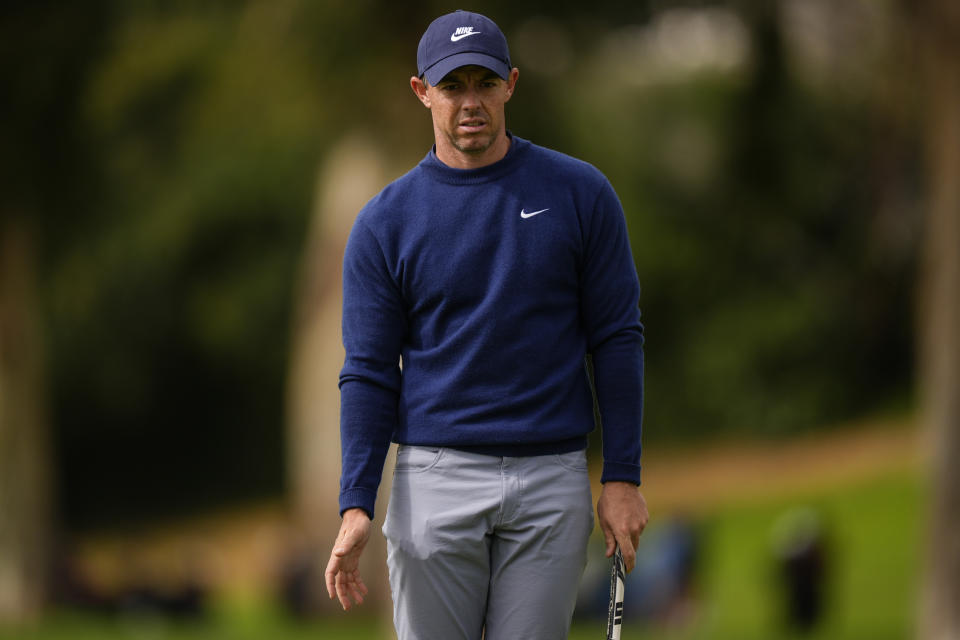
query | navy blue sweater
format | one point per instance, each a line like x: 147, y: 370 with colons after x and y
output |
x: 490, y: 286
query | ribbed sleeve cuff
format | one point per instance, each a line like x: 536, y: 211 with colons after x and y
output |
x: 620, y: 472
x: 358, y: 498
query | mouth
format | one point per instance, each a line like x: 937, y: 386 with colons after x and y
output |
x: 472, y: 125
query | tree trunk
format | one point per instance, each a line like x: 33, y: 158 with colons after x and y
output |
x: 353, y: 173
x: 24, y: 462
x: 939, y: 39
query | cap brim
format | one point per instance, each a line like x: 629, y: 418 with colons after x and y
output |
x: 443, y: 67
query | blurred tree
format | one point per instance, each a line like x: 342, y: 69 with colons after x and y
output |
x: 208, y: 122
x: 353, y: 171
x: 46, y: 50
x: 938, y: 34
x: 25, y: 470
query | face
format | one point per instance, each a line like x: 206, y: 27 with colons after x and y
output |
x: 467, y: 106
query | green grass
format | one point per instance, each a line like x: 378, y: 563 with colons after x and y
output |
x: 875, y: 540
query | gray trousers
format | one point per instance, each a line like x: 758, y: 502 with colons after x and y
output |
x: 489, y: 547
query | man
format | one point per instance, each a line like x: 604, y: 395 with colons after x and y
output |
x: 490, y: 271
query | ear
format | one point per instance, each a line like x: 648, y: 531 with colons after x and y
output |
x: 420, y: 90
x: 512, y: 82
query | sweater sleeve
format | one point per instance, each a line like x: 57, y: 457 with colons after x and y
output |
x: 609, y: 300
x: 374, y: 324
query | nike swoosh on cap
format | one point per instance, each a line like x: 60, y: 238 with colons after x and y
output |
x: 460, y: 36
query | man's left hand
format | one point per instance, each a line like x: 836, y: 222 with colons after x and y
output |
x: 622, y: 512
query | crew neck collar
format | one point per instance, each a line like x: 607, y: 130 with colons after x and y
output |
x: 445, y: 173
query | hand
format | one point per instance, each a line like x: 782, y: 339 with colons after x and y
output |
x: 342, y: 574
x: 622, y: 512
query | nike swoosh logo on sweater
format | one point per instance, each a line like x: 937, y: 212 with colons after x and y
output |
x: 524, y: 214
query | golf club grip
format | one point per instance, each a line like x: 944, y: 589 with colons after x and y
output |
x: 615, y: 608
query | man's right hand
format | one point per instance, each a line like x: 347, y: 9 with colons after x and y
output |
x: 343, y: 573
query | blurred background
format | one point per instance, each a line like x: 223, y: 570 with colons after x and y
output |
x: 177, y: 181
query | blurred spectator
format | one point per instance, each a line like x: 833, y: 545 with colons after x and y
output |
x: 298, y: 582
x: 661, y: 587
x: 800, y: 549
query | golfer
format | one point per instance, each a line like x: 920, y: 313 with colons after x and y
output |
x: 474, y: 287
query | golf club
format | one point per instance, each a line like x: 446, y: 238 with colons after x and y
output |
x: 615, y: 608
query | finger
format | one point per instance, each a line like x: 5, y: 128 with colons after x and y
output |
x: 343, y: 594
x: 356, y: 593
x: 350, y: 589
x: 628, y: 550
x: 342, y: 597
x: 331, y: 576
x: 611, y: 542
x: 356, y: 586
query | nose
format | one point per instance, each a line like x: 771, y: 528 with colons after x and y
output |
x: 471, y: 97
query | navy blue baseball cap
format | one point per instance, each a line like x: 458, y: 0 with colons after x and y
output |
x: 458, y: 39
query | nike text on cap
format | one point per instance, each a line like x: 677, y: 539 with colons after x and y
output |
x: 458, y: 39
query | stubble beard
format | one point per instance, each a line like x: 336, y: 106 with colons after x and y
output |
x: 473, y: 144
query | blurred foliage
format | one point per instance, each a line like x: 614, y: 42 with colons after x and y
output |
x: 167, y: 153
x: 773, y: 300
